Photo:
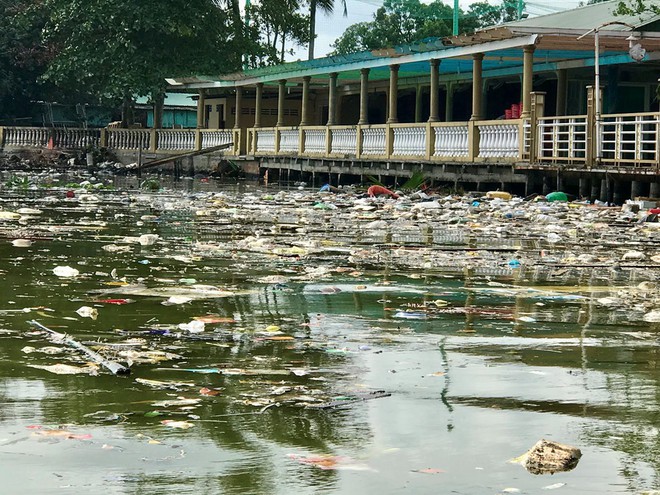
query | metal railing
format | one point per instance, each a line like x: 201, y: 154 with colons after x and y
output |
x: 562, y: 139
x: 630, y: 139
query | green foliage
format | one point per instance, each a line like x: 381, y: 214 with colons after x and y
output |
x: 150, y: 185
x: 16, y: 182
x: 397, y: 22
x: 118, y: 47
x: 22, y: 58
x: 400, y: 22
x: 415, y: 181
x: 637, y: 7
x: 632, y: 7
x: 277, y: 22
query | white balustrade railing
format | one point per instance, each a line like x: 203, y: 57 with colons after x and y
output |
x: 289, y: 140
x: 40, y: 137
x: 314, y: 140
x: 129, y: 139
x: 27, y: 136
x: 629, y: 138
x: 451, y: 141
x: 76, y: 138
x: 499, y: 140
x: 373, y: 141
x: 409, y: 141
x: 343, y: 140
x: 216, y: 137
x: 265, y: 140
x: 562, y: 138
x: 175, y: 140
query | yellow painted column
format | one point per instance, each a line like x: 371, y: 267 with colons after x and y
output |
x: 433, y: 102
x: 364, y: 97
x: 477, y: 85
x: 562, y: 91
x: 332, y: 99
x: 257, y: 104
x: 449, y: 103
x: 201, y: 109
x: 528, y: 82
x: 418, y: 103
x: 394, y: 94
x: 239, y: 103
x: 304, y: 110
x: 280, y: 102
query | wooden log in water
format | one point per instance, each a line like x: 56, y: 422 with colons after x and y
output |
x: 114, y: 368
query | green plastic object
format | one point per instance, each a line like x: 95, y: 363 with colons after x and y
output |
x: 556, y: 196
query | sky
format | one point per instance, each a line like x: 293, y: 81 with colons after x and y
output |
x: 329, y: 28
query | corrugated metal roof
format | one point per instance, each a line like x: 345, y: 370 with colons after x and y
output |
x: 587, y: 17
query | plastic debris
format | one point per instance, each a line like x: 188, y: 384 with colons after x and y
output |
x: 65, y: 272
x: 88, y: 312
x: 181, y: 425
x: 67, y: 369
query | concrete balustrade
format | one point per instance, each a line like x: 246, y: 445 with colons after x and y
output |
x: 631, y: 140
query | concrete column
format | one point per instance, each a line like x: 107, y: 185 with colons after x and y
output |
x: 528, y: 80
x: 239, y: 103
x: 418, y: 104
x: 281, y: 89
x: 477, y: 85
x: 332, y: 99
x: 604, y: 190
x: 617, y: 193
x: 304, y: 110
x: 201, y: 109
x: 562, y: 91
x: 257, y: 104
x: 654, y: 190
x: 636, y: 189
x: 595, y: 189
x: 394, y: 95
x: 364, y: 97
x: 449, y: 103
x: 548, y: 185
x: 433, y: 103
x: 585, y: 187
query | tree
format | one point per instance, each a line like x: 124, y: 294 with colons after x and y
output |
x: 23, y: 58
x: 396, y: 22
x: 119, y: 48
x: 327, y: 7
x: 277, y: 21
x: 637, y: 7
x: 400, y: 22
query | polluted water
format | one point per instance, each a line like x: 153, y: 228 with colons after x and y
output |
x: 240, y: 339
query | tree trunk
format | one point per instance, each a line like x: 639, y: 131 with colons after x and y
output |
x: 127, y: 111
x: 159, y: 103
x: 237, y: 23
x: 312, y: 28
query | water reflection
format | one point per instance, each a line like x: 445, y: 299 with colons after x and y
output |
x: 480, y: 362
